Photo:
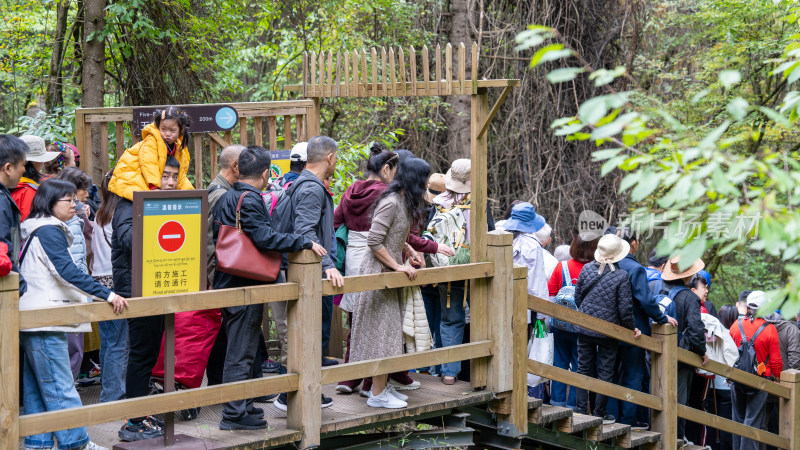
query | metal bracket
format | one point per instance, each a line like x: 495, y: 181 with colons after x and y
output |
x: 507, y: 429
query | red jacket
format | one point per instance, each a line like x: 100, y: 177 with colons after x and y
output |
x: 5, y: 262
x: 23, y: 196
x: 766, y: 343
x: 555, y: 282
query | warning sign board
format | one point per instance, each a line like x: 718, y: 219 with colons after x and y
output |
x: 202, y: 118
x: 280, y: 163
x: 169, y: 249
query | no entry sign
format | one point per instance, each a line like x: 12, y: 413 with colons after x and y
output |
x: 203, y: 118
x: 171, y: 236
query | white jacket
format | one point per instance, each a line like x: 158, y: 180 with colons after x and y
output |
x: 719, y: 343
x: 416, y: 332
x: 53, y: 278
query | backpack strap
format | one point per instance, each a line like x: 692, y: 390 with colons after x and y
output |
x: 30, y: 239
x: 273, y: 203
x: 566, y: 277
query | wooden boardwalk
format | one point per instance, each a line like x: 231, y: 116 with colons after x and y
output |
x: 348, y: 414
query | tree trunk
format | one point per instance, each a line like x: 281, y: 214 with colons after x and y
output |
x: 55, y: 81
x: 94, y: 66
x: 457, y: 120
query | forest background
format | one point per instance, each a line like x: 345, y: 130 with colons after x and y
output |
x: 61, y: 54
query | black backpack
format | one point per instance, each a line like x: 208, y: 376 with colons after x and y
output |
x: 747, y: 360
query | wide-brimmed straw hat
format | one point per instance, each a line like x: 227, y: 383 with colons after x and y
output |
x: 610, y: 249
x: 37, y: 151
x: 672, y: 272
x: 457, y: 178
x: 524, y: 218
x: 435, y: 186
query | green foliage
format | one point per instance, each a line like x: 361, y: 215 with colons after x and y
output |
x: 55, y: 126
x: 706, y: 146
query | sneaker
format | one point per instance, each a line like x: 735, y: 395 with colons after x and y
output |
x: 385, y: 400
x: 640, y: 426
x: 254, y: 411
x: 155, y: 421
x: 344, y: 389
x: 247, y: 422
x: 270, y: 366
x: 328, y: 361
x: 392, y: 390
x: 92, y: 446
x: 405, y: 387
x: 364, y: 393
x: 326, y: 401
x: 265, y: 398
x: 139, y: 431
x: 608, y: 419
x: 280, y: 402
x: 94, y: 372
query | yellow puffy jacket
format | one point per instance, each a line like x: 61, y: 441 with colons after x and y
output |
x: 143, y: 164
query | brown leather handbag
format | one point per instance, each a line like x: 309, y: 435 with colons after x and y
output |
x: 237, y: 255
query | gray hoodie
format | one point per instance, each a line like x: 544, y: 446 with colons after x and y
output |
x: 789, y: 340
x: 312, y: 214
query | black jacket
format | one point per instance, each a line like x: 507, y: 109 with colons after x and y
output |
x: 255, y: 222
x: 609, y: 299
x: 121, y: 247
x: 691, y: 331
x: 10, y: 232
x: 312, y: 214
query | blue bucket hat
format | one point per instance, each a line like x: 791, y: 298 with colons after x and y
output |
x: 524, y: 219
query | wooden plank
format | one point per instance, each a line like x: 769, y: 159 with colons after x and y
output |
x: 213, y: 157
x: 664, y: 384
x: 120, y: 132
x: 412, y: 59
x: 789, y: 412
x: 239, y: 106
x: 374, y: 54
x: 287, y: 132
x: 243, y: 131
x: 494, y: 111
x: 402, y: 61
x: 588, y: 322
x: 321, y: 67
x: 298, y: 122
x: 636, y: 438
x: 155, y: 404
x: 312, y: 120
x: 151, y: 306
x: 312, y: 76
x: 474, y: 68
x: 362, y: 90
x: 500, y: 376
x: 448, y: 69
x: 273, y: 112
x: 273, y: 133
x: 216, y: 139
x: 97, y: 118
x: 462, y: 70
x: 329, y: 84
x: 519, y: 329
x: 579, y: 423
x: 392, y: 76
x: 384, y: 75
x: 606, y: 432
x: 439, y: 89
x: 374, y: 367
x: 354, y: 89
x: 103, y: 151
x: 304, y: 353
x: 346, y: 87
x: 748, y: 379
x: 9, y: 361
x: 228, y: 139
x: 426, y: 76
x: 338, y: 91
x: 258, y: 131
x: 548, y: 414
x: 595, y: 385
x: 82, y: 132
x: 389, y: 280
x: 723, y: 424
x: 197, y: 144
x: 305, y: 75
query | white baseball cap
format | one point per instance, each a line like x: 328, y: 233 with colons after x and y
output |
x: 299, y: 152
x: 756, y: 299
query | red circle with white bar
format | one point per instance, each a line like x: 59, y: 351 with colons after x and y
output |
x: 171, y: 236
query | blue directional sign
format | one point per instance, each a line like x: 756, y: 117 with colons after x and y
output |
x: 202, y: 118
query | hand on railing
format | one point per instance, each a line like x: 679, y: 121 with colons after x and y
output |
x: 636, y: 333
x: 706, y: 359
x: 672, y: 321
x: 408, y: 270
x: 118, y: 303
x: 318, y: 249
x: 334, y: 277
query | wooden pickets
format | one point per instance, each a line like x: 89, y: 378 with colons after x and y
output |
x: 258, y: 131
x: 402, y: 57
x: 287, y: 132
x: 337, y: 91
x: 273, y: 133
x: 321, y: 64
x: 392, y: 80
x: 474, y: 68
x: 426, y: 75
x: 384, y: 75
x: 197, y: 141
x: 305, y: 74
x: 120, y: 138
x: 103, y: 149
x: 354, y: 86
x: 346, y: 87
x: 462, y: 69
x: 329, y: 89
x: 301, y: 132
x: 363, y: 86
x: 312, y: 75
x: 243, y: 131
x: 439, y: 90
x: 374, y: 72
x: 412, y: 57
x: 448, y: 69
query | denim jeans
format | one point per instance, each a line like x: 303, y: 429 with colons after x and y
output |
x: 565, y: 356
x: 327, y: 317
x: 433, y: 311
x: 114, y: 348
x: 453, y: 321
x: 47, y: 385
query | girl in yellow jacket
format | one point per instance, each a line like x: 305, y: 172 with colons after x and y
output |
x: 141, y: 166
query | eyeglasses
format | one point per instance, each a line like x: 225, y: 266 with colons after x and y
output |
x: 72, y: 201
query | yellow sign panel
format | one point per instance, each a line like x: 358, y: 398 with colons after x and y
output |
x: 280, y: 164
x: 172, y: 244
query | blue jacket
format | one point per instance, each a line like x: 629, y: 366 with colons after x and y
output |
x: 644, y: 306
x: 10, y: 232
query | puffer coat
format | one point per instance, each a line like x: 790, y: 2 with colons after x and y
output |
x: 609, y: 299
x: 143, y: 164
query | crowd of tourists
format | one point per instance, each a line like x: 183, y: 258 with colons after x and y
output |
x: 71, y: 242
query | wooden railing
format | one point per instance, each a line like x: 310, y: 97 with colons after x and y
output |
x: 662, y: 399
x: 501, y: 345
x: 259, y: 122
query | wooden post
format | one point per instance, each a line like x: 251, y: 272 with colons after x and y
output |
x: 790, y: 408
x: 312, y: 120
x: 304, y: 352
x: 243, y: 131
x: 664, y: 384
x: 519, y: 329
x: 258, y: 131
x: 120, y: 130
x: 9, y: 361
x: 103, y: 151
x: 501, y: 328
x: 273, y: 132
x: 478, y: 288
x: 198, y: 161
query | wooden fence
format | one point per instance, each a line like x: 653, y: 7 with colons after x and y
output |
x: 662, y: 399
x: 501, y: 345
x: 259, y: 122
